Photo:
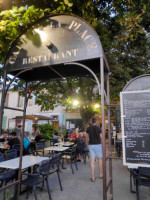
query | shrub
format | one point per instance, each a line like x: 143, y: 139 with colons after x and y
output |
x: 46, y: 130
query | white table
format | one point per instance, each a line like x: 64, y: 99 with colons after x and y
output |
x: 55, y: 148
x: 27, y: 161
x: 65, y: 144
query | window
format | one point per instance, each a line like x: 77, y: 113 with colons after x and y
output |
x: 20, y: 101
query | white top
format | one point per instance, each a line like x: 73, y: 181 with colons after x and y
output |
x: 27, y: 161
x: 55, y: 148
x: 65, y: 144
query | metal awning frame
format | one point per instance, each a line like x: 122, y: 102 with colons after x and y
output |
x: 105, y: 100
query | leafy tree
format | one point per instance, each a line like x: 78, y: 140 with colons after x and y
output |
x: 123, y: 27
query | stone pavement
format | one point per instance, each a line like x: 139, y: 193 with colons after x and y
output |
x: 79, y: 187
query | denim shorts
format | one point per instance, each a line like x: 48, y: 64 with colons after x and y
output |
x: 95, y: 150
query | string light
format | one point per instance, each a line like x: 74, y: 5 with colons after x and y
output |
x: 35, y: 95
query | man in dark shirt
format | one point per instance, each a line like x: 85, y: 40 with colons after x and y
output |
x: 13, y: 140
x: 94, y: 134
x: 4, y: 138
x: 38, y: 136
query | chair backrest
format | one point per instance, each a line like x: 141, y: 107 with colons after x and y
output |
x: 44, y: 167
x: 10, y: 154
x: 53, y: 141
x: 41, y: 141
x: 31, y: 148
x: 39, y: 146
x: 1, y: 157
x: 80, y: 147
x: 74, y: 148
x: 55, y: 160
x: 16, y: 146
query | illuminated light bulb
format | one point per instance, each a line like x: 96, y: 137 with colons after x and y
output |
x: 96, y: 105
x: 75, y: 102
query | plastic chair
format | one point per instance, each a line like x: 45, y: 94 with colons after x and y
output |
x: 142, y: 178
x: 71, y: 157
x: 10, y: 154
x: 35, y: 179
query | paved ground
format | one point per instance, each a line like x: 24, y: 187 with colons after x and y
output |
x: 79, y: 186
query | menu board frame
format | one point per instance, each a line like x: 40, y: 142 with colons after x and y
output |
x: 125, y: 162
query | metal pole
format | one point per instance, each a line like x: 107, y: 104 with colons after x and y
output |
x: 3, y: 101
x: 103, y: 127
x: 21, y: 140
x: 109, y: 138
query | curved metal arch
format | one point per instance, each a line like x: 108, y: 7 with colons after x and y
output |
x: 21, y: 72
x: 96, y: 79
x: 132, y: 80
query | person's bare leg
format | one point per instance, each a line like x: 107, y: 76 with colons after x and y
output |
x: 93, y: 168
x: 100, y: 167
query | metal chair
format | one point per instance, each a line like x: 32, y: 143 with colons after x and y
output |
x: 1, y: 157
x: 10, y: 154
x: 35, y: 179
x: 39, y: 149
x: 71, y: 157
x: 6, y: 175
x: 142, y: 178
x: 31, y: 149
x: 80, y: 150
x: 54, y: 167
x: 17, y: 147
x: 53, y: 141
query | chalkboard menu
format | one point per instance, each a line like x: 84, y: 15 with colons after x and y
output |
x: 135, y: 111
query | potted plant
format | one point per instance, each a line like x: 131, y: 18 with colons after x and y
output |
x: 47, y: 130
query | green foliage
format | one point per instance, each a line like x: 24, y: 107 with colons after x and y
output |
x: 123, y: 27
x: 46, y: 130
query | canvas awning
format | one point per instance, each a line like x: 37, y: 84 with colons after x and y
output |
x: 33, y: 117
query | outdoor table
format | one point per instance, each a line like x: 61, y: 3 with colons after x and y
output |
x: 55, y: 148
x: 27, y: 161
x: 65, y: 144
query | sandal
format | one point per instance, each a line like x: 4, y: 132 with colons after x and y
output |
x: 101, y: 177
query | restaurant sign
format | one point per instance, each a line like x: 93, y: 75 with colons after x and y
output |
x: 54, y: 40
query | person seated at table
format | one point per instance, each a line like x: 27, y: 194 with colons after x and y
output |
x: 67, y: 136
x: 13, y: 140
x: 73, y: 135
x: 26, y: 141
x: 38, y: 136
x: 4, y: 137
x: 55, y: 136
